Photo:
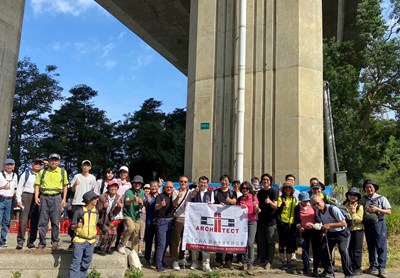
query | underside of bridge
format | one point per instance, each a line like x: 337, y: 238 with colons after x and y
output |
x: 164, y: 25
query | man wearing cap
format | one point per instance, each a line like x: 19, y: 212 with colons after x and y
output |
x: 80, y: 184
x: 84, y: 224
x: 109, y: 205
x: 8, y: 185
x: 132, y: 207
x: 316, y: 188
x: 26, y: 203
x: 375, y: 208
x: 52, y: 184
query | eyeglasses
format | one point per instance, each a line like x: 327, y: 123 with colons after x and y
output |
x: 37, y: 163
x: 245, y: 188
x: 183, y: 181
x: 168, y: 187
x: 352, y: 194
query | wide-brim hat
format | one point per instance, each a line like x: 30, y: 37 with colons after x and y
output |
x: 88, y: 196
x: 374, y: 183
x: 287, y: 185
x: 353, y: 190
x: 304, y: 196
x: 319, y: 185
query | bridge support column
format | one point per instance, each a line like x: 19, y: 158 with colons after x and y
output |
x: 283, y: 114
x: 11, y: 14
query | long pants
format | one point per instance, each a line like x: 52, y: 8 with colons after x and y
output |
x: 5, y: 217
x: 81, y: 259
x: 120, y: 230
x: 266, y: 243
x: 30, y: 212
x: 151, y: 230
x: 177, y: 233
x: 107, y: 236
x: 132, y: 232
x: 252, y: 229
x: 50, y: 208
x: 355, y: 248
x: 164, y: 232
x: 376, y: 237
x: 287, y: 238
x: 342, y: 239
x: 314, y: 237
x: 219, y: 257
x: 205, y: 257
x: 142, y: 229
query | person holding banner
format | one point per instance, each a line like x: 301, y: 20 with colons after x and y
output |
x: 249, y: 201
x: 164, y: 215
x: 268, y: 198
x: 224, y: 196
x: 201, y: 194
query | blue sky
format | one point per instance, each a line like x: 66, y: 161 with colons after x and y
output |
x: 89, y: 46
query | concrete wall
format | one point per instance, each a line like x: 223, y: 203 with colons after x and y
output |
x: 283, y: 116
x: 11, y: 13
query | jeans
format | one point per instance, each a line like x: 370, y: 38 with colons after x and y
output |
x: 376, y: 237
x: 250, y: 241
x: 5, y: 217
x: 164, y: 231
x: 50, y: 207
x: 81, y: 259
x: 266, y: 243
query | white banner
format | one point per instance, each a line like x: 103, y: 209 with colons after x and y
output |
x: 215, y: 228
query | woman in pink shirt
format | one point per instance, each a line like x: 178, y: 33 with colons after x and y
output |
x: 304, y: 219
x: 249, y: 201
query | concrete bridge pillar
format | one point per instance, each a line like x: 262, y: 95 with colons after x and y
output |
x: 11, y: 14
x: 283, y: 116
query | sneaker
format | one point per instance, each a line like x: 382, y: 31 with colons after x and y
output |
x: 194, y: 265
x: 348, y: 276
x: 326, y: 275
x: 206, y: 267
x: 372, y: 271
x: 110, y: 252
x: 101, y: 252
x: 140, y: 254
x: 161, y: 269
x: 250, y: 269
x: 315, y: 274
x: 55, y: 247
x: 183, y: 262
x: 121, y: 249
x: 267, y: 266
x: 175, y: 266
x: 229, y: 265
x: 41, y: 247
x: 3, y: 245
x: 382, y: 273
x: 71, y: 247
x: 19, y: 247
x: 357, y: 272
x: 30, y: 245
x: 294, y: 258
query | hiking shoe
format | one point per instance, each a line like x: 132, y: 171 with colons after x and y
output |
x: 30, y: 245
x: 267, y: 266
x: 161, y: 269
x: 372, y: 271
x: 121, y: 249
x: 382, y: 273
x: 101, y: 252
x: 175, y: 266
x: 19, y: 247
x: 357, y: 272
x: 194, y: 265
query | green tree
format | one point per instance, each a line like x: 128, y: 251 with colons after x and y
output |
x: 35, y: 93
x: 81, y: 131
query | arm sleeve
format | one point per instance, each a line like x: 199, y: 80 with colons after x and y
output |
x: 20, y: 186
x: 358, y: 216
x: 77, y: 215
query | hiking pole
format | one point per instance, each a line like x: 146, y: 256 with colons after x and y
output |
x: 329, y: 252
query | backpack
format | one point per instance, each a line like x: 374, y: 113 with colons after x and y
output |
x: 371, y: 217
x: 345, y: 212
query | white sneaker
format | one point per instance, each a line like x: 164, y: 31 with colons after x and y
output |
x: 183, y: 262
x: 175, y: 266
x: 294, y: 257
x: 206, y: 267
x: 194, y: 265
x: 121, y: 249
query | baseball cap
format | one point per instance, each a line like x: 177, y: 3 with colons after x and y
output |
x: 138, y: 179
x: 55, y: 155
x: 146, y: 186
x: 124, y: 168
x: 9, y: 161
x: 112, y: 182
x: 87, y: 162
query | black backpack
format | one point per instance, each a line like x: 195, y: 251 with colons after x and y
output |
x: 345, y: 212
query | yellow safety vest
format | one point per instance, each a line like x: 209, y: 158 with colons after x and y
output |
x: 88, y: 231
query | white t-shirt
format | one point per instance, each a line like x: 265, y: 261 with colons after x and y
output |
x: 86, y: 183
x: 28, y: 186
x: 12, y: 180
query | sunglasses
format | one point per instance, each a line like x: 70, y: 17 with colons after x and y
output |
x: 245, y: 188
x: 168, y: 187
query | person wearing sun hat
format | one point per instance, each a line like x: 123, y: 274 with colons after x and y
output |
x: 356, y: 210
x: 375, y: 208
x: 286, y: 228
x: 109, y: 205
x: 316, y: 188
x: 84, y: 224
x: 305, y: 218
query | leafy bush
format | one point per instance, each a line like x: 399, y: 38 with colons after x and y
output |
x: 94, y: 274
x: 133, y: 273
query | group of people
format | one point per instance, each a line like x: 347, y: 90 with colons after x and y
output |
x: 128, y: 210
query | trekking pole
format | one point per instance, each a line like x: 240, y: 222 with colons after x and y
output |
x: 329, y: 253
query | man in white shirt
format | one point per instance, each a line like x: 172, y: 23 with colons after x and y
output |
x: 8, y: 185
x: 80, y: 184
x: 26, y: 202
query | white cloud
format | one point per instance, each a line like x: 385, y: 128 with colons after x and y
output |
x: 109, y: 64
x: 142, y: 61
x: 106, y: 49
x: 72, y: 7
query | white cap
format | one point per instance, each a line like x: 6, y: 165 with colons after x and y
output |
x: 124, y: 168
